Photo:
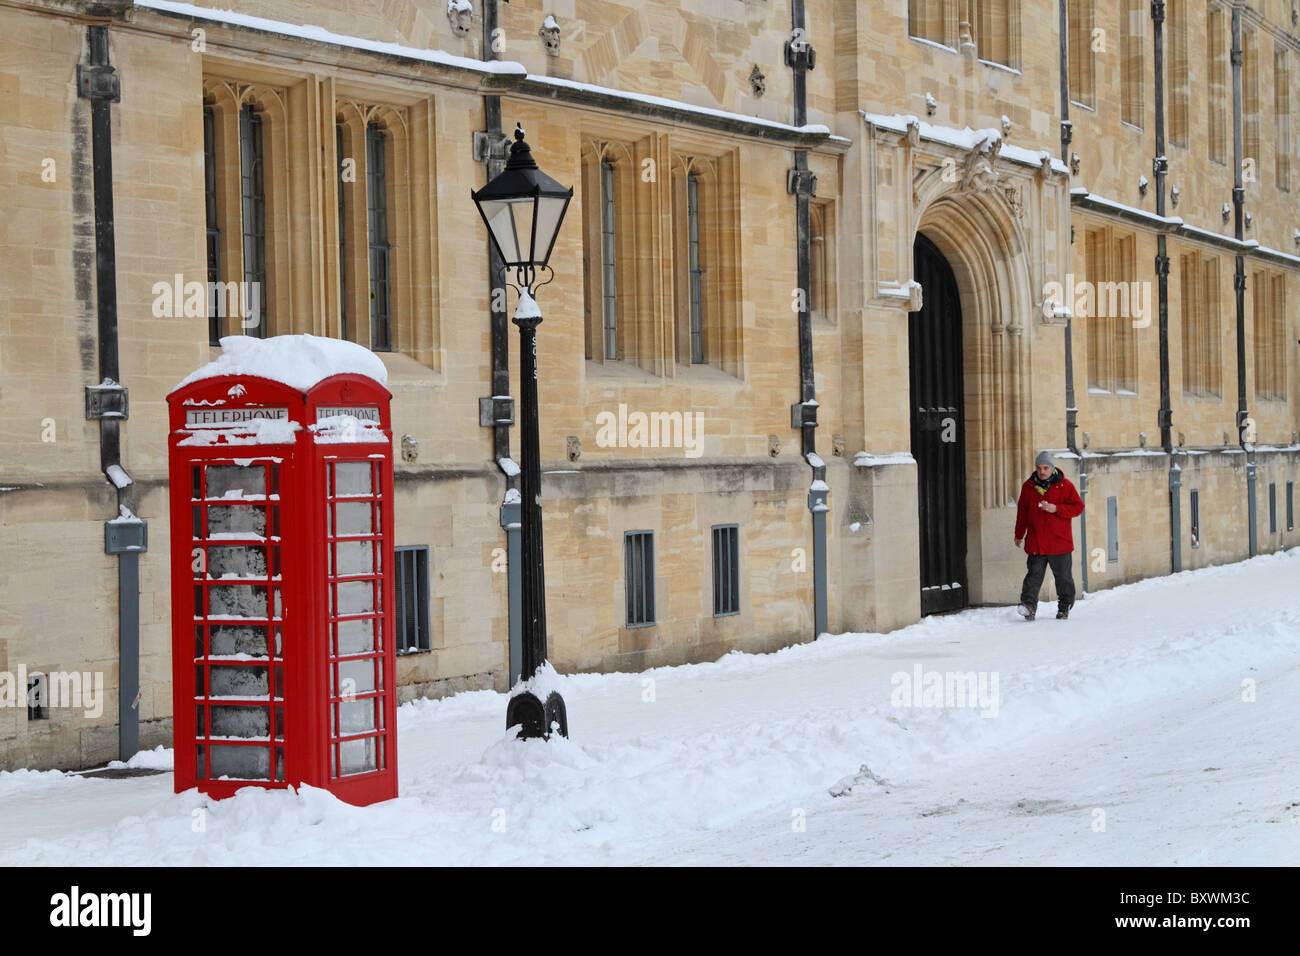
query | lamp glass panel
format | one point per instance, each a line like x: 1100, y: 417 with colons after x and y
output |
x: 511, y: 222
x: 549, y: 212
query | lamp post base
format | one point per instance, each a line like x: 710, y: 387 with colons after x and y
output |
x: 536, y: 719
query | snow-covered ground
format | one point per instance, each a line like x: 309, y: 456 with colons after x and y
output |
x: 1126, y: 735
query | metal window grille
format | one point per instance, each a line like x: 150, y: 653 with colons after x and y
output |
x: 412, y: 599
x: 639, y: 576
x: 253, y: 202
x: 608, y: 261
x: 343, y: 235
x: 210, y: 211
x: 1112, y: 529
x: 1290, y: 506
x: 693, y: 265
x: 1196, y: 518
x: 1272, y: 507
x: 380, y: 275
x: 726, y: 569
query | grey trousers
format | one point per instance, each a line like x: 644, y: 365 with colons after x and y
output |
x: 1037, y: 566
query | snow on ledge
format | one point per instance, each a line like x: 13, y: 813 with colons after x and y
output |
x: 321, y: 35
x: 813, y: 128
x: 865, y: 459
x: 299, y: 361
x: 965, y: 138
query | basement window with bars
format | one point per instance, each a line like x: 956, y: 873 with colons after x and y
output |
x: 412, y: 599
x: 1290, y: 506
x: 1196, y: 518
x: 639, y: 577
x: 726, y: 569
x: 37, y: 708
x: 1112, y: 530
x: 1272, y: 507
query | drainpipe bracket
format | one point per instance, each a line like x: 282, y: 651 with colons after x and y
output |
x: 109, y: 400
x: 511, y: 519
x: 496, y: 410
x: 98, y: 82
x: 803, y: 414
x: 799, y: 53
x: 801, y: 182
x: 492, y: 144
x: 817, y: 501
x: 126, y: 535
x: 1165, y: 418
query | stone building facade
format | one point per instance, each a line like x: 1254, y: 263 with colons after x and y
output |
x: 787, y: 219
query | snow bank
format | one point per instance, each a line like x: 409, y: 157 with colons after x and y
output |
x: 299, y: 361
x: 160, y: 758
x: 709, y: 763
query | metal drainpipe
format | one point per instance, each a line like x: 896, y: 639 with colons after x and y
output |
x: 1160, y: 169
x: 1239, y: 285
x: 799, y: 56
x: 125, y: 535
x: 1071, y: 409
x: 497, y: 410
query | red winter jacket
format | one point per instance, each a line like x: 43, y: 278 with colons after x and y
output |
x: 1048, y: 532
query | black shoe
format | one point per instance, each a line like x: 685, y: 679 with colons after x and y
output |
x: 1027, y: 611
x: 1062, y: 613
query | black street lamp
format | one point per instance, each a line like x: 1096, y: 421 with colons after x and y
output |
x: 523, y: 209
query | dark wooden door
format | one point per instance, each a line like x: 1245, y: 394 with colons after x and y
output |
x: 939, y: 432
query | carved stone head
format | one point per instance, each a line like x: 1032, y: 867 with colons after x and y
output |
x: 460, y: 14
x: 550, y: 34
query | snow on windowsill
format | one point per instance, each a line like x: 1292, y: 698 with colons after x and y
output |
x: 932, y: 43
x: 1001, y: 66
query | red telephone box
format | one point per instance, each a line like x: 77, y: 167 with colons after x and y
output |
x: 282, y: 571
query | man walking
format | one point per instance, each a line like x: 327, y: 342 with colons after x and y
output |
x: 1048, y: 504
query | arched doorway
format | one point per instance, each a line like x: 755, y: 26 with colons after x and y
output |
x: 939, y: 431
